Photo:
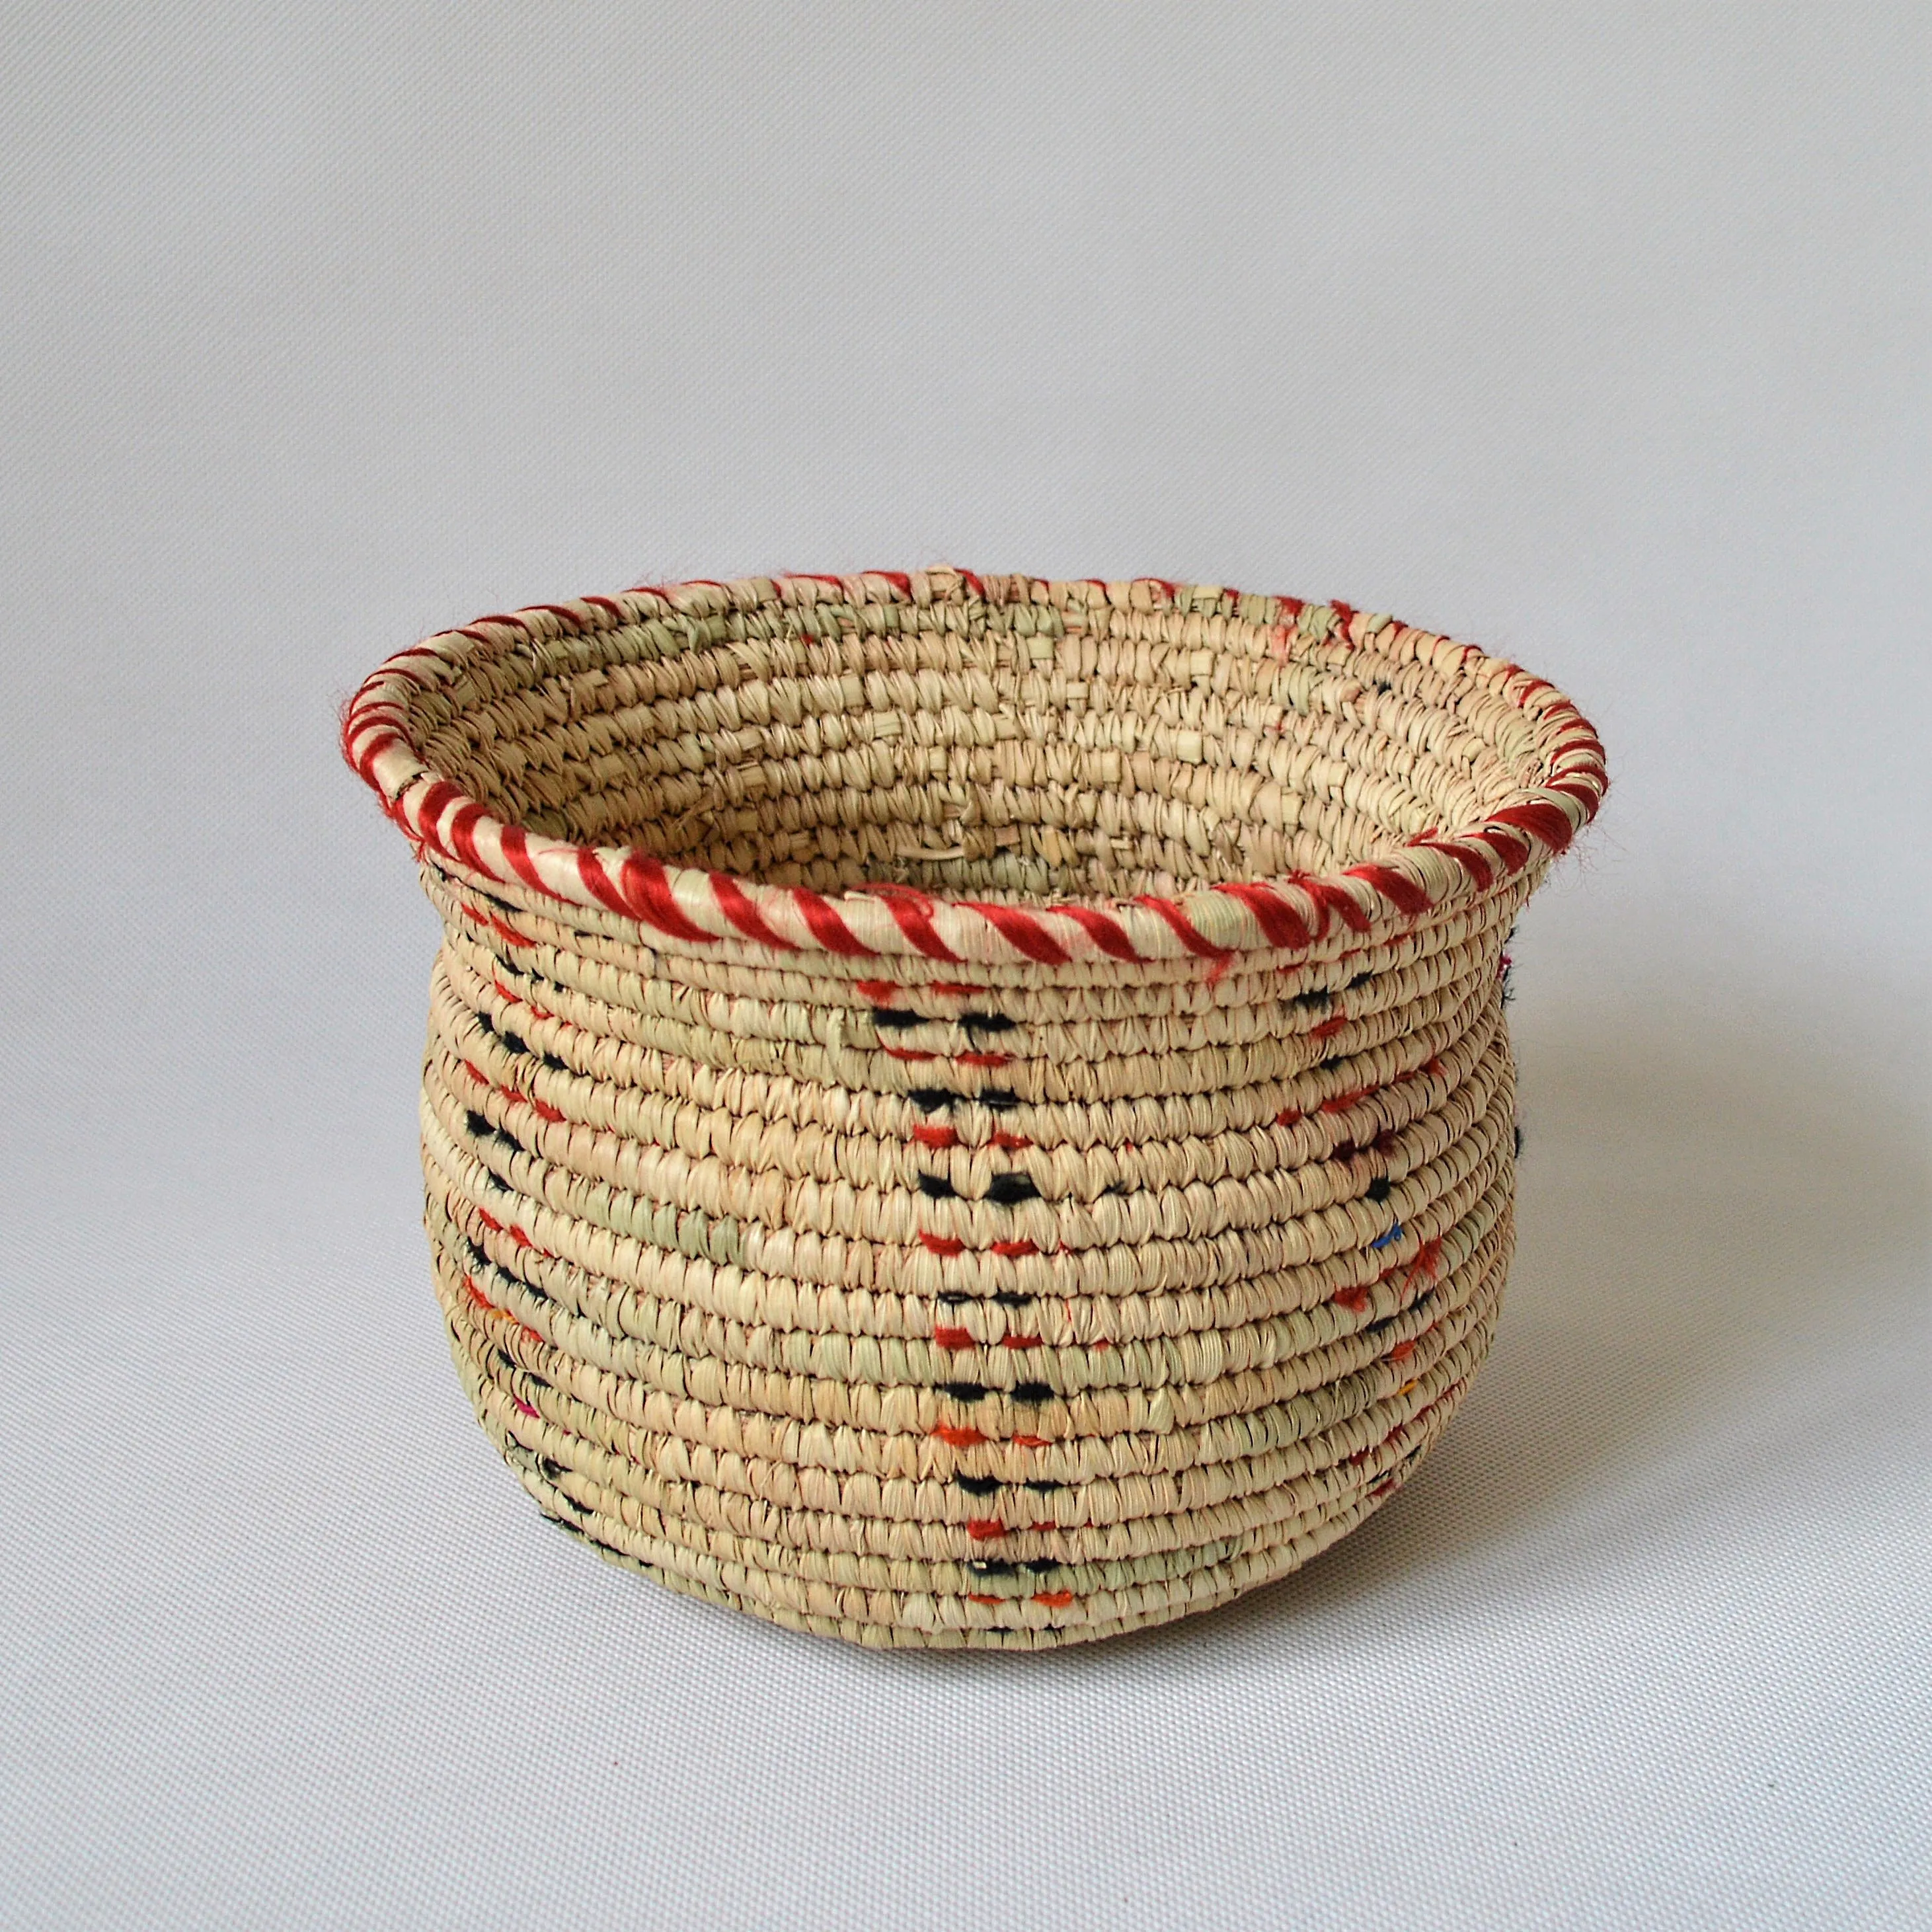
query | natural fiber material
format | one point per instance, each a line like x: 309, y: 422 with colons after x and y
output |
x: 961, y: 1110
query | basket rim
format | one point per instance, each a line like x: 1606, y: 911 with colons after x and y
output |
x: 685, y: 908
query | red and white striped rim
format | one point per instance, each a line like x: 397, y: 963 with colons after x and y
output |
x: 688, y: 908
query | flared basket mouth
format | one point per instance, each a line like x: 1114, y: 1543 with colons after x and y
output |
x: 959, y: 767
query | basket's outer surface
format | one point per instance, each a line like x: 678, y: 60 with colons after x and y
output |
x: 968, y: 1111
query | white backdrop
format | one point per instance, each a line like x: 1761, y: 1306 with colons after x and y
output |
x: 1598, y: 336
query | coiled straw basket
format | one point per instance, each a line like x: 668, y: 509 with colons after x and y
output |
x: 967, y: 1110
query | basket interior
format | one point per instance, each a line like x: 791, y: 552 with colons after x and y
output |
x: 999, y: 748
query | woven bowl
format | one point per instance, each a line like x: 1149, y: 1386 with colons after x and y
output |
x: 967, y: 1110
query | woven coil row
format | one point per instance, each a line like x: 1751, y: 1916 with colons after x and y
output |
x: 966, y: 1111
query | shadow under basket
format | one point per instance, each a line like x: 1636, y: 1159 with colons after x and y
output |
x: 967, y: 1110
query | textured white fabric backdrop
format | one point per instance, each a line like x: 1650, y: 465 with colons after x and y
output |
x: 1598, y: 336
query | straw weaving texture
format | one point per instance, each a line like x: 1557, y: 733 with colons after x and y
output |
x: 966, y: 1111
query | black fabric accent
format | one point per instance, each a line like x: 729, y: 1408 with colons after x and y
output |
x: 1008, y: 1189
x: 937, y: 1187
x: 1316, y: 997
x: 978, y: 1486
x: 997, y: 1098
x: 556, y: 1065
x: 1046, y: 1487
x: 976, y: 1024
x: 1033, y: 1391
x: 897, y: 1018
x: 991, y: 1566
x: 1519, y: 1143
x: 1360, y: 979
x: 514, y: 1041
x: 1380, y: 1188
x: 1008, y: 1297
x: 965, y: 1392
x: 930, y: 1099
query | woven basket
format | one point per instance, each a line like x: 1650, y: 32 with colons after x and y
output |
x: 967, y: 1110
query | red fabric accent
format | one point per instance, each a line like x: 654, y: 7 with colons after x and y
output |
x: 516, y: 845
x: 1467, y: 857
x: 489, y: 1221
x: 992, y: 1601
x: 1354, y: 1299
x: 936, y: 1137
x: 463, y: 837
x: 1329, y: 897
x: 1289, y: 1117
x: 1546, y: 821
x: 913, y: 912
x: 1106, y: 931
x: 1511, y: 856
x: 1328, y: 1029
x: 736, y: 906
x: 476, y: 1073
x: 597, y: 882
x: 1054, y: 1599
x: 1402, y: 1351
x: 958, y: 989
x: 1281, y: 925
x: 544, y: 1110
x: 906, y: 1053
x: 983, y: 1059
x: 431, y: 808
x: 1184, y: 928
x: 952, y: 1339
x: 941, y: 1244
x: 1010, y: 1143
x: 364, y: 762
x: 1023, y: 931
x: 1396, y: 886
x: 1344, y: 615
x: 1032, y: 1442
x: 1020, y: 1342
x: 828, y: 929
x: 984, y: 1529
x: 879, y: 992
x: 958, y: 1438
x: 1340, y: 1103
x: 1015, y: 1250
x: 901, y: 581
x: 647, y: 887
